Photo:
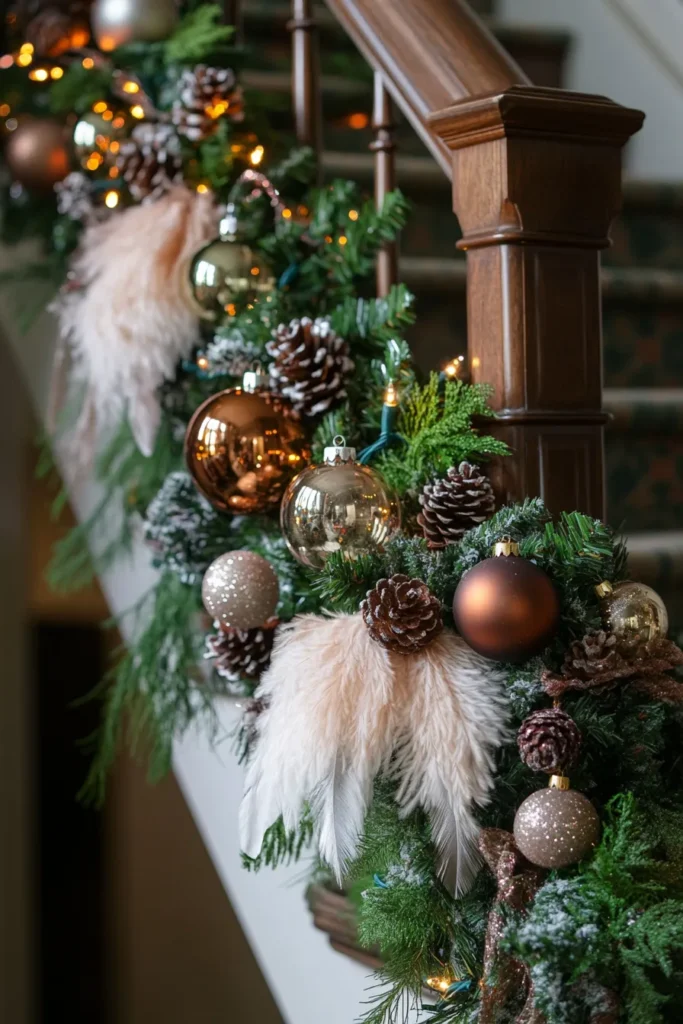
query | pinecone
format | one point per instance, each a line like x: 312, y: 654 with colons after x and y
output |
x: 549, y: 741
x: 600, y: 659
x: 75, y: 196
x: 402, y: 614
x: 311, y: 363
x: 150, y: 161
x: 240, y: 653
x: 452, y: 506
x: 206, y: 94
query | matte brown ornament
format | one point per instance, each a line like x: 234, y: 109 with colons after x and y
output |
x: 243, y: 446
x: 556, y: 827
x: 506, y: 608
x: 36, y: 153
x: 240, y: 590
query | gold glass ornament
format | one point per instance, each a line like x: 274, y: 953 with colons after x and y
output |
x: 92, y: 134
x: 240, y: 590
x: 36, y: 153
x: 243, y: 446
x: 633, y: 609
x: 116, y: 22
x: 556, y: 827
x: 338, y: 506
x: 227, y: 275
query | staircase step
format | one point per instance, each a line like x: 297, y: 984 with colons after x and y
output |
x: 657, y: 559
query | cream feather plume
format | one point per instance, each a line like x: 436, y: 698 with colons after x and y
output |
x: 454, y: 717
x: 326, y: 733
x: 131, y: 320
x: 342, y: 709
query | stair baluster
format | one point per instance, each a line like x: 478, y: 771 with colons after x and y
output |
x: 384, y: 147
x: 306, y: 92
x: 232, y: 15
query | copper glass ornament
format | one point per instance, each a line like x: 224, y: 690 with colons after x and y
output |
x: 556, y: 827
x: 633, y: 609
x: 338, y: 506
x: 227, y: 274
x: 116, y: 22
x: 240, y: 590
x: 243, y: 446
x: 36, y: 153
x: 505, y: 607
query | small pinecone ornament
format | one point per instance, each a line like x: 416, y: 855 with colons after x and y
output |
x: 310, y: 364
x: 402, y: 614
x: 150, y: 161
x: 75, y: 196
x: 549, y: 741
x: 452, y: 506
x: 240, y: 653
x: 205, y: 95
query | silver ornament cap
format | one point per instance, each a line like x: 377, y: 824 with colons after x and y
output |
x: 240, y: 590
x: 556, y: 827
x: 338, y: 452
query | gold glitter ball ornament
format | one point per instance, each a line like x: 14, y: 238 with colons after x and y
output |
x: 633, y: 609
x: 337, y: 506
x: 227, y: 275
x: 116, y: 22
x: 243, y: 446
x: 556, y: 827
x: 240, y: 590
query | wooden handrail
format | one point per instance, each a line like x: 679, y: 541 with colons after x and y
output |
x: 432, y: 53
x: 536, y: 184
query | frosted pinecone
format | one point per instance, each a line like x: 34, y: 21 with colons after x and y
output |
x: 240, y: 653
x: 454, y: 505
x: 205, y: 94
x: 75, y: 196
x: 549, y: 741
x: 310, y: 364
x: 150, y: 161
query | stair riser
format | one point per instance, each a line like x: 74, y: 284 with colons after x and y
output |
x: 644, y: 481
x: 643, y: 344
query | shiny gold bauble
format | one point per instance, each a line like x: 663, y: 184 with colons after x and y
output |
x: 240, y: 590
x: 633, y: 609
x: 93, y: 134
x: 243, y: 447
x: 337, y: 506
x: 506, y: 608
x: 226, y: 276
x: 116, y: 22
x: 36, y: 153
x: 556, y: 827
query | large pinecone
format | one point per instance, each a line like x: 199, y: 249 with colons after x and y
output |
x: 240, y: 653
x: 601, y: 660
x: 150, y: 161
x: 205, y: 95
x: 452, y: 506
x: 549, y: 741
x: 402, y: 614
x: 310, y: 364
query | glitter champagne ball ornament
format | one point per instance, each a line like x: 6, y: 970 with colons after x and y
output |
x: 243, y: 446
x: 632, y: 609
x: 338, y: 506
x: 556, y: 827
x: 36, y: 153
x: 116, y: 22
x: 227, y: 275
x: 505, y: 607
x: 240, y: 590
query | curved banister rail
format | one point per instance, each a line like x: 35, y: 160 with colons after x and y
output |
x: 432, y: 53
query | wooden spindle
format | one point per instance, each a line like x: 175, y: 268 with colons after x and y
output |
x: 306, y: 93
x: 232, y: 15
x: 384, y: 147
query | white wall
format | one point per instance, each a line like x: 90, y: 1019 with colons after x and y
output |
x: 609, y: 57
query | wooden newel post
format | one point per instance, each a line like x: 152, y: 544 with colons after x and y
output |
x: 536, y: 184
x: 306, y: 90
x: 384, y: 149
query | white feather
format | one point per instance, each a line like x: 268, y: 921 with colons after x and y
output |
x: 453, y: 720
x: 329, y: 729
